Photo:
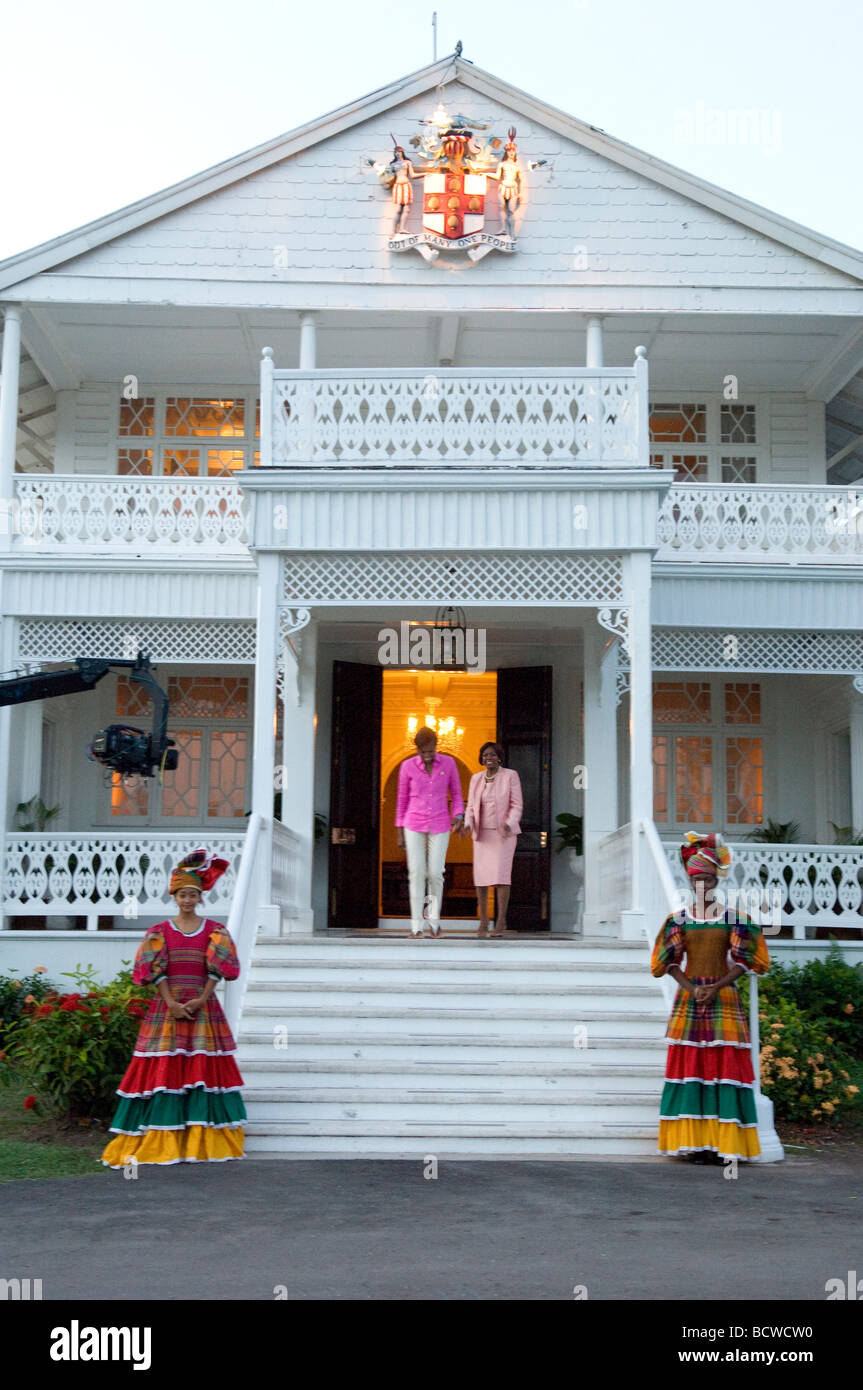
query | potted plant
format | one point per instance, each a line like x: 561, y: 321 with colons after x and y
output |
x: 570, y: 835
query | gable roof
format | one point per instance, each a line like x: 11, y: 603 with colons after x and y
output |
x: 52, y: 254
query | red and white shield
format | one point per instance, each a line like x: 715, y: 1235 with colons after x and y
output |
x: 453, y: 204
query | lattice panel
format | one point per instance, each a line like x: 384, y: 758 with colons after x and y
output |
x: 203, y: 642
x: 803, y: 653
x: 457, y: 578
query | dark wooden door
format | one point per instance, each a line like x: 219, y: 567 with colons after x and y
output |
x: 524, y: 730
x: 355, y: 795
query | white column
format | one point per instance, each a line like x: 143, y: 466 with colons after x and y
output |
x: 856, y: 741
x: 264, y: 750
x: 600, y: 761
x: 594, y: 356
x: 298, y: 798
x: 9, y: 367
x: 7, y: 657
x: 308, y: 340
x: 636, y: 582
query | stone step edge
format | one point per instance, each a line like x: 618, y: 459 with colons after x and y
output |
x: 448, y: 1040
x: 640, y: 991
x: 434, y: 1130
x: 394, y: 1067
x: 286, y: 1095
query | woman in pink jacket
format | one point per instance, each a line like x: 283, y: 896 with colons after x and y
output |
x: 494, y: 805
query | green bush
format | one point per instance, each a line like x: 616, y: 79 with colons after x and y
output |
x: 72, y: 1049
x: 804, y: 1071
x: 830, y: 991
x: 16, y: 991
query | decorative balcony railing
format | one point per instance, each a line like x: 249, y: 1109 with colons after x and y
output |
x: 92, y: 875
x: 168, y: 515
x: 592, y: 416
x: 811, y: 885
x: 749, y: 523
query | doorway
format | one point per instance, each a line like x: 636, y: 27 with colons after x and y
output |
x: 372, y: 733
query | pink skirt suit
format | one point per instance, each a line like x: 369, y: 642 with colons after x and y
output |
x: 490, y: 806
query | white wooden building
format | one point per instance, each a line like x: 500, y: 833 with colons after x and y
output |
x: 622, y: 436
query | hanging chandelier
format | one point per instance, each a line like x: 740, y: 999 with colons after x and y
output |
x: 431, y: 688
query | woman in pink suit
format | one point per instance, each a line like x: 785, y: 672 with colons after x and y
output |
x: 494, y: 806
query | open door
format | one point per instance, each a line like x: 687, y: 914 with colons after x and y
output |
x: 524, y: 730
x: 355, y: 795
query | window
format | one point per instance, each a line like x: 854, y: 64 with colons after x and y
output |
x: 187, y: 436
x: 706, y: 441
x: 210, y: 720
x: 705, y: 773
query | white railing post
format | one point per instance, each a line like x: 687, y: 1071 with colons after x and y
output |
x: 594, y: 354
x: 771, y: 1148
x: 242, y: 920
x: 267, y: 369
x: 642, y: 408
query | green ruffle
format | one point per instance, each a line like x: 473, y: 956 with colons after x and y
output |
x: 196, y: 1106
x: 734, y: 1104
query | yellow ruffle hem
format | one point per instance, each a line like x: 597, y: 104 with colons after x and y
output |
x: 195, y: 1144
x: 723, y: 1137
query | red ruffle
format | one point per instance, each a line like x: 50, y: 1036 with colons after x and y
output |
x: 147, y: 1074
x: 709, y: 1063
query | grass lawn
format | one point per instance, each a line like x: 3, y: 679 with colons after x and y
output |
x: 33, y: 1146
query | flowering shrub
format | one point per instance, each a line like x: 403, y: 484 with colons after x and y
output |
x: 73, y: 1048
x: 829, y: 990
x: 803, y: 1069
x: 15, y: 991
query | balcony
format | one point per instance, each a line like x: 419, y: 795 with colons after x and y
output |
x: 73, y: 514
x: 776, y: 524
x: 594, y: 417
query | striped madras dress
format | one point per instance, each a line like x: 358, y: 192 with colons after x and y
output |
x: 180, y: 1098
x: 708, y: 1101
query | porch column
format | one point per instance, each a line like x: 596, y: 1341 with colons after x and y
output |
x: 9, y: 368
x: 594, y: 355
x: 264, y: 752
x: 308, y: 340
x: 298, y: 798
x: 7, y: 657
x: 856, y: 741
x: 600, y: 761
x: 636, y: 581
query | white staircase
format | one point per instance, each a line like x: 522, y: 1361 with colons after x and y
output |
x: 394, y: 1048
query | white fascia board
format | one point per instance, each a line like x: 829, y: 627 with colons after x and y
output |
x: 347, y: 295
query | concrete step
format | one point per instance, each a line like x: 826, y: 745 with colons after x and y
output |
x: 529, y: 1048
x: 499, y: 1076
x: 459, y: 993
x: 356, y: 1139
x: 556, y: 1021
x: 499, y: 971
x: 448, y: 1107
x: 441, y: 949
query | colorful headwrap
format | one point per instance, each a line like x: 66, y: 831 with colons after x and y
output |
x: 200, y: 870
x: 705, y: 854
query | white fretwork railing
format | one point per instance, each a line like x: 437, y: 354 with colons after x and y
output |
x: 168, y: 515
x: 93, y: 875
x: 588, y: 416
x: 286, y: 849
x: 748, y: 523
x: 814, y: 885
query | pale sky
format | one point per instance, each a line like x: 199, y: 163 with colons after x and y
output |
x: 105, y: 103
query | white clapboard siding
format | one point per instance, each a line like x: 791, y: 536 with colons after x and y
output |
x: 322, y: 215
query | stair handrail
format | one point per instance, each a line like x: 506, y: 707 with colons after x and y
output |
x: 242, y: 924
x: 669, y: 895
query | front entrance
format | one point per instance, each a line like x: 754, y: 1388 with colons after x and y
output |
x: 374, y: 715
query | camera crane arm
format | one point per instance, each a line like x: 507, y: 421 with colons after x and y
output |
x: 119, y: 754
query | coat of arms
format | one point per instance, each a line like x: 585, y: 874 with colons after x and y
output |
x: 455, y: 165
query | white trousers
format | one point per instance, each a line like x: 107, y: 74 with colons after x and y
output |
x: 426, y: 859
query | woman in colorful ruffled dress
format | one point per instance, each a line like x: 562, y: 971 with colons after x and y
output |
x: 180, y: 1098
x: 708, y: 1101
